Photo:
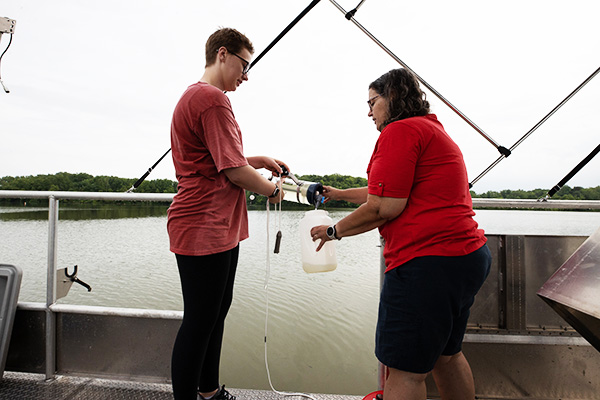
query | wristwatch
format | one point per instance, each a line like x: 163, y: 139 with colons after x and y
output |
x: 275, y: 192
x: 331, y: 233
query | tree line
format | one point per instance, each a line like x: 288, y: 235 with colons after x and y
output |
x: 82, y: 182
x: 64, y: 181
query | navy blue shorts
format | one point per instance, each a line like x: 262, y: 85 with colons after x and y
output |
x: 424, y: 308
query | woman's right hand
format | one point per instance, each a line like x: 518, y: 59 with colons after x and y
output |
x: 331, y: 193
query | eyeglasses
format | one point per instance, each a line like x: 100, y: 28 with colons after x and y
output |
x: 246, y: 63
x: 371, y: 102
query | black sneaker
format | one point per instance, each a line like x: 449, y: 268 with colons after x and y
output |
x: 222, y: 394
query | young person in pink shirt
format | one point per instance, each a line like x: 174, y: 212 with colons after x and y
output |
x: 208, y: 216
x: 435, y: 255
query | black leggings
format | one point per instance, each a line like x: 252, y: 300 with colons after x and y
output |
x: 207, y: 287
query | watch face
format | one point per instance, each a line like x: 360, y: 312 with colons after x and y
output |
x: 330, y: 231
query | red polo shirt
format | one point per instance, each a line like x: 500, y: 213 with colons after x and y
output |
x: 416, y: 159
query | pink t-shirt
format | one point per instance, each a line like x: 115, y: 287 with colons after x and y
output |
x: 208, y: 214
x: 415, y: 158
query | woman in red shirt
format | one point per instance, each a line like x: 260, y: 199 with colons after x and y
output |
x: 436, y: 257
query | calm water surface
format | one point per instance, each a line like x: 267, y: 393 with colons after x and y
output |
x: 321, y: 326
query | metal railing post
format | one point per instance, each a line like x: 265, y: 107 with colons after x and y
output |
x: 381, y: 369
x: 51, y: 288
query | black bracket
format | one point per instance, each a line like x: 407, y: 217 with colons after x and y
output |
x: 73, y: 278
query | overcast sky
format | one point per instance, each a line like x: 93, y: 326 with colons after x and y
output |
x: 94, y: 83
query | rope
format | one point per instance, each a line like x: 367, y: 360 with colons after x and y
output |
x: 268, y: 274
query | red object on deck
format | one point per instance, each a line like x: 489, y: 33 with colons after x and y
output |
x: 372, y: 396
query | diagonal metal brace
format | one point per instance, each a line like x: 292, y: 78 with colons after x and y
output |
x: 503, y: 150
x: 536, y: 126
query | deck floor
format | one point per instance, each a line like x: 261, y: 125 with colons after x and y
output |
x: 24, y: 386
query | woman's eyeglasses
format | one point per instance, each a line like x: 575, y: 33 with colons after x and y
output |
x: 371, y: 102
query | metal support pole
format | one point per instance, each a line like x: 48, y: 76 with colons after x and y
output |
x: 571, y: 174
x: 503, y: 150
x: 551, y: 113
x: 51, y: 289
x: 252, y: 64
x: 381, y: 369
x: 282, y: 34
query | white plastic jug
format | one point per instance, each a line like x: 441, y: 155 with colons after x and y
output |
x: 313, y: 261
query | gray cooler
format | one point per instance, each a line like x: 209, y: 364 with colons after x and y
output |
x: 10, y: 284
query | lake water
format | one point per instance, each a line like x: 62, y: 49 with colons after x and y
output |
x: 321, y: 326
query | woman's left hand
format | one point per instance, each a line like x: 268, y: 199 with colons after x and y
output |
x: 319, y: 232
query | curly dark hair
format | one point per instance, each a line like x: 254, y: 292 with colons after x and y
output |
x: 229, y: 38
x: 405, y: 97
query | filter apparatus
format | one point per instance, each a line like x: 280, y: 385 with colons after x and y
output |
x: 304, y: 192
